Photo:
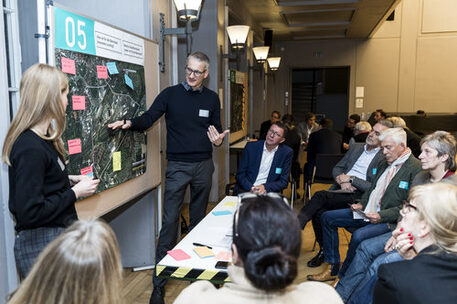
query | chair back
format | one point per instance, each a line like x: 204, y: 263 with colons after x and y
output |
x: 323, y: 168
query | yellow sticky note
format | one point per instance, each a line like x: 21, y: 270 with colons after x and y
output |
x: 230, y: 204
x: 117, y: 161
x: 203, y: 252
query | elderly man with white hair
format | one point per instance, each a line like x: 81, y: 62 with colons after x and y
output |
x: 378, y: 208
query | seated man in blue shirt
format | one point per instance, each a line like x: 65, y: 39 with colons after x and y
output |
x: 265, y: 164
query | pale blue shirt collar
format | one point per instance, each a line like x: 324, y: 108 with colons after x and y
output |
x: 189, y: 88
x: 374, y: 151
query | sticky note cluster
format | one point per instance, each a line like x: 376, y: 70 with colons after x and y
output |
x: 204, y: 252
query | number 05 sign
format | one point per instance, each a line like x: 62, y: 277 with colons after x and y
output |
x: 80, y: 34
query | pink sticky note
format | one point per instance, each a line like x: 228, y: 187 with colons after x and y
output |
x: 224, y: 256
x: 68, y: 65
x: 74, y: 146
x: 87, y: 170
x: 79, y: 102
x: 102, y: 72
x: 178, y: 254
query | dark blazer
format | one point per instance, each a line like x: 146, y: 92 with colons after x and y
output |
x: 293, y: 140
x: 264, y: 127
x: 278, y: 178
x: 428, y: 278
x: 323, y: 141
x: 413, y: 142
x: 396, y: 192
x: 349, y: 160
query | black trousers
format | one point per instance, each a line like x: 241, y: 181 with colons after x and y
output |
x: 323, y: 201
x: 178, y: 176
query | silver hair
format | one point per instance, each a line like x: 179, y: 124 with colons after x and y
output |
x: 397, y: 122
x: 200, y: 56
x: 445, y: 144
x: 362, y: 126
x: 398, y: 135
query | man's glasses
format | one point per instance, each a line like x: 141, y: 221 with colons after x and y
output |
x: 197, y: 73
x: 407, y: 207
x: 275, y: 133
x: 248, y: 195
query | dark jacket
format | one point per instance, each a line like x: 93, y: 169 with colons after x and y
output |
x: 278, y: 178
x: 428, y: 278
x: 348, y: 161
x: 264, y: 127
x: 323, y: 141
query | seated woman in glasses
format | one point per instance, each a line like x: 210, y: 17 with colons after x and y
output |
x: 266, y: 245
x: 430, y: 277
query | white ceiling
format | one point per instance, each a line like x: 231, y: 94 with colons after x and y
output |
x: 312, y: 19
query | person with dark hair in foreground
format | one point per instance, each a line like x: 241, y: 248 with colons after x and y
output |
x: 266, y: 245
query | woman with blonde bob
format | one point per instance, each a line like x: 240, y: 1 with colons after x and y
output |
x: 82, y: 265
x: 41, y: 196
x: 429, y: 227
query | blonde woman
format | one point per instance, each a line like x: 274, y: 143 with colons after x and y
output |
x: 81, y: 266
x: 41, y: 193
x: 429, y: 230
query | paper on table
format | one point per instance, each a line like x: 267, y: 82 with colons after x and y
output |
x: 178, y: 254
x: 203, y: 252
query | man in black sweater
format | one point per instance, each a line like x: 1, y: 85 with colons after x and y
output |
x: 192, y: 114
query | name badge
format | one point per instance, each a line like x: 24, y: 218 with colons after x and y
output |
x: 375, y: 170
x: 403, y: 185
x: 62, y: 166
x: 203, y: 113
x: 278, y: 170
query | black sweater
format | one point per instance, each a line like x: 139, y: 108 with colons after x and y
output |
x: 40, y: 193
x: 188, y: 115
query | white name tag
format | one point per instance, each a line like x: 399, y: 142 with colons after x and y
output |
x: 203, y: 113
x: 62, y: 166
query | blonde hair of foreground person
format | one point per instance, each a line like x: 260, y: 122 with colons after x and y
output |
x: 41, y: 88
x: 437, y: 206
x: 81, y: 266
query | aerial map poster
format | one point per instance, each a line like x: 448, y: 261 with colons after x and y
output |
x: 106, y: 76
x: 113, y: 75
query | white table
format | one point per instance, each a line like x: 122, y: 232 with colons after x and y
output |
x: 214, y: 231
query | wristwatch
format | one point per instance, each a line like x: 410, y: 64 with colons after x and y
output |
x: 351, y: 179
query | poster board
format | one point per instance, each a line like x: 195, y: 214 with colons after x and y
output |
x: 113, y: 75
x: 238, y: 105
